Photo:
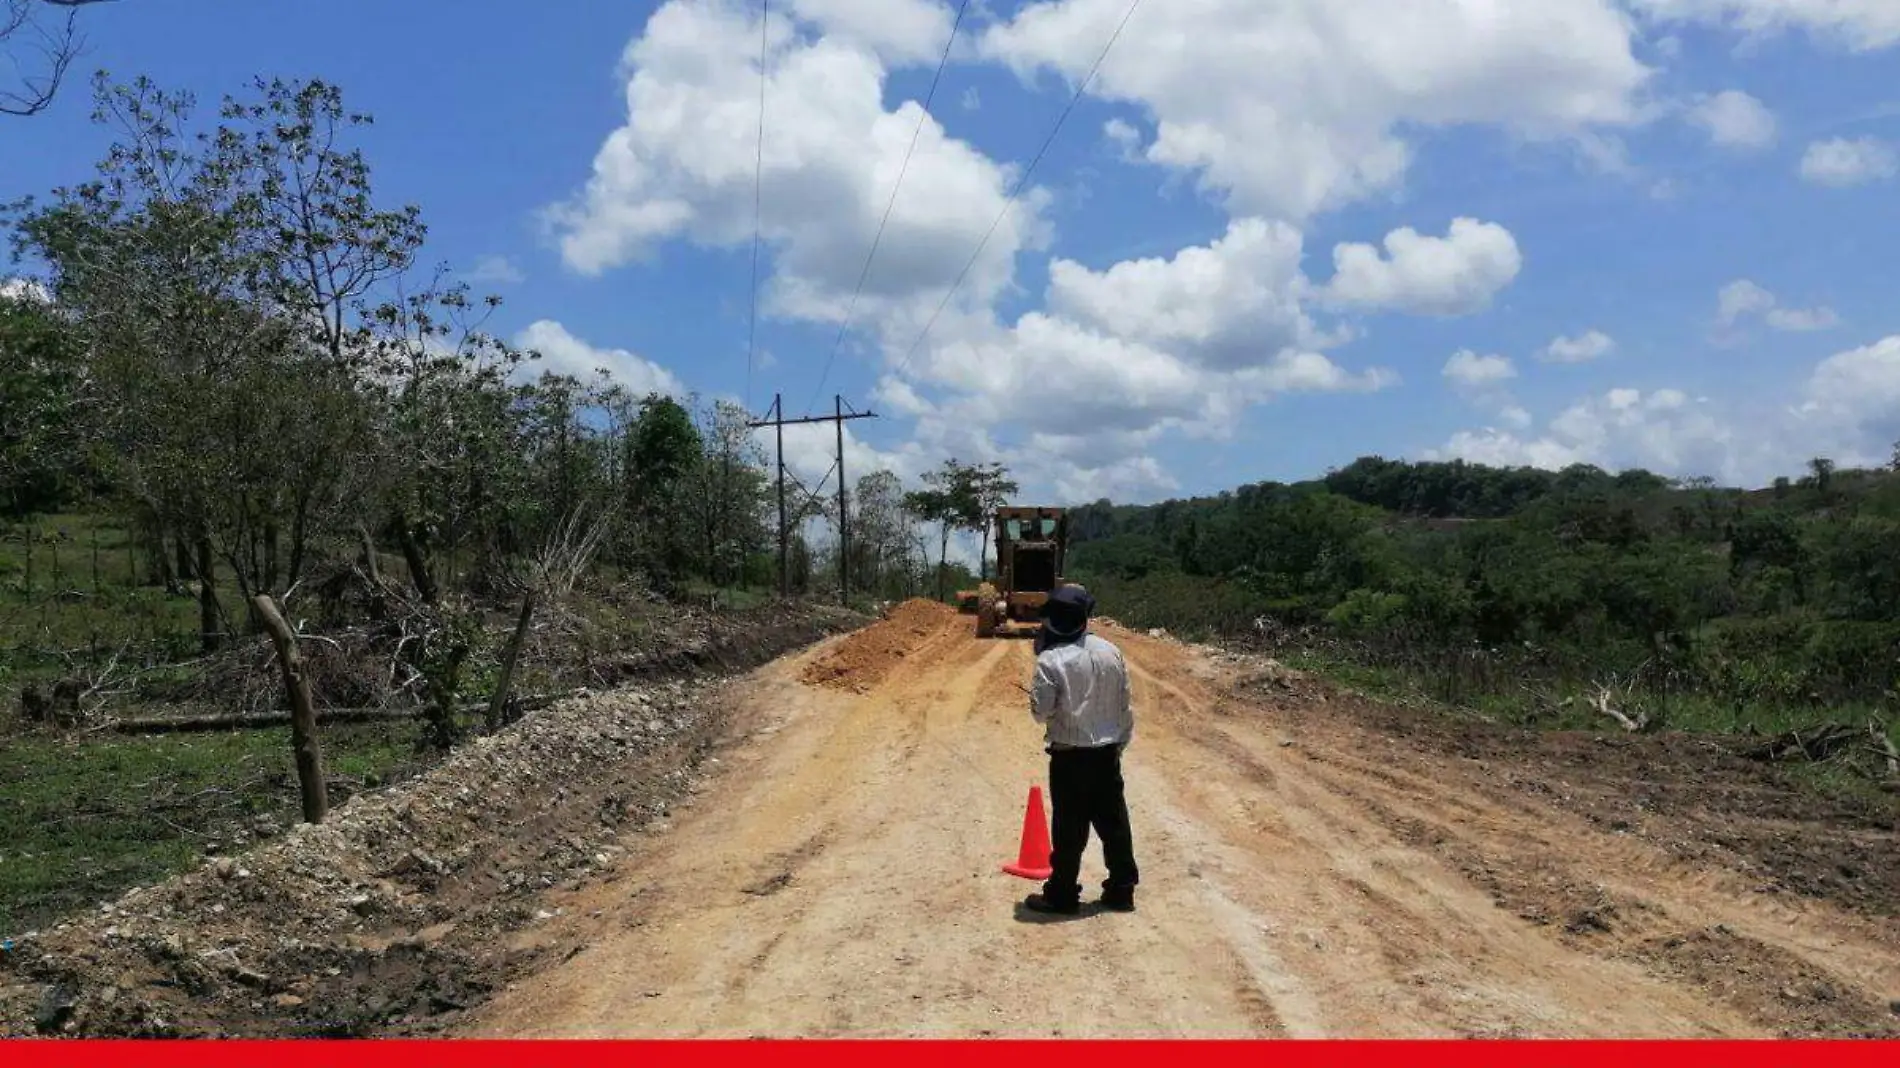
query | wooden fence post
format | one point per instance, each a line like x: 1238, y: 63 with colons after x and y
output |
x: 303, y: 712
x: 510, y: 657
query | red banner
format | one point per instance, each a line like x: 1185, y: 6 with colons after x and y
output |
x: 409, y: 1053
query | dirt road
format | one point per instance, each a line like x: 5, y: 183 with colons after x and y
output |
x: 1304, y: 875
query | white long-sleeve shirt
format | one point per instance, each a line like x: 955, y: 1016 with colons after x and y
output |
x: 1081, y: 694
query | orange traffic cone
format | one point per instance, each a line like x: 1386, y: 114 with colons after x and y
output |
x: 1032, y: 861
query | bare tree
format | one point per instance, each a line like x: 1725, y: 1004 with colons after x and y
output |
x: 54, y: 42
x: 561, y: 563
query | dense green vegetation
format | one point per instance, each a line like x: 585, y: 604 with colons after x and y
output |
x: 1695, y: 604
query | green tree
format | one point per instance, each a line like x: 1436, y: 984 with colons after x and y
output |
x: 986, y: 487
x: 1821, y: 473
x: 153, y: 261
x: 311, y: 195
x: 663, y: 451
x: 942, y: 506
x: 42, y: 389
x: 880, y: 535
x: 727, y: 495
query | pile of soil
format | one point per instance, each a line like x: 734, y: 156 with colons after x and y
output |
x: 405, y: 904
x: 867, y: 657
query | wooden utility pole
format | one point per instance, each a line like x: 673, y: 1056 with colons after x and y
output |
x: 784, y: 573
x: 841, y: 413
x: 844, y: 515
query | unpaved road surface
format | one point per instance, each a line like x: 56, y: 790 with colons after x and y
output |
x: 1305, y: 874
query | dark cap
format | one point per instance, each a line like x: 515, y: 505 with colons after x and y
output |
x: 1067, y: 609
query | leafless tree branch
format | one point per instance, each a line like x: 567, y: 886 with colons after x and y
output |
x: 31, y: 43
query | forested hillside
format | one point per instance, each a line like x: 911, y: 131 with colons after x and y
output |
x: 1752, y: 607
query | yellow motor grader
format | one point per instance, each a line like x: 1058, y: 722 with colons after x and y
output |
x: 1030, y: 544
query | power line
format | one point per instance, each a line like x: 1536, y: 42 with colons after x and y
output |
x: 776, y: 419
x: 922, y: 117
x: 758, y: 179
x: 1017, y: 191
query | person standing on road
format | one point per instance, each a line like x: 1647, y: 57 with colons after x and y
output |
x: 1081, y: 697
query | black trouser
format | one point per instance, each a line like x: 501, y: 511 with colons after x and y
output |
x: 1085, y: 790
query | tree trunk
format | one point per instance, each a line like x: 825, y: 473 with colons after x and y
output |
x: 299, y: 539
x: 272, y: 543
x: 158, y: 559
x: 418, y: 563
x: 181, y: 556
x: 510, y: 657
x: 378, y: 593
x: 303, y: 711
x: 210, y: 632
x: 370, y: 565
x: 983, y: 555
x: 943, y: 565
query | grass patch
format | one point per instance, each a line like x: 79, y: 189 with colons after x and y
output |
x: 1686, y: 713
x: 82, y: 820
x: 77, y: 588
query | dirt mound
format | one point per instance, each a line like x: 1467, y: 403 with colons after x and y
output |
x: 867, y: 657
x: 405, y: 904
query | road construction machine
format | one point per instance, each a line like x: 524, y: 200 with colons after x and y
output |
x: 1031, y: 543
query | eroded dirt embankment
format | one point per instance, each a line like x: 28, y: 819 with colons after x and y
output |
x: 407, y: 902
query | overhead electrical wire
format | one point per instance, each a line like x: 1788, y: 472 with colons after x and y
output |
x: 758, y: 200
x: 1017, y: 191
x: 923, y: 117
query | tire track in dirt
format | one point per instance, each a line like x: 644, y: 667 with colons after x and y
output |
x: 1345, y: 868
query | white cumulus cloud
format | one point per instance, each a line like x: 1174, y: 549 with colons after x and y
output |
x: 900, y: 32
x: 1840, y: 163
x: 1865, y: 25
x: 1743, y: 299
x: 1297, y: 106
x: 1856, y: 396
x: 564, y: 354
x: 1278, y: 110
x: 1662, y: 430
x: 496, y: 270
x: 683, y: 164
x: 1121, y: 355
x: 1467, y: 368
x: 1847, y: 408
x: 1226, y: 304
x: 1585, y: 347
x: 1735, y: 119
x: 1122, y: 135
x: 1457, y: 274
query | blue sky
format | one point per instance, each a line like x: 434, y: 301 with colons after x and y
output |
x: 1627, y: 167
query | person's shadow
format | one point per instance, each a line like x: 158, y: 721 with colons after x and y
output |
x: 1025, y: 914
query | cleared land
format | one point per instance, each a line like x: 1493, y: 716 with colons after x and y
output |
x: 1313, y: 864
